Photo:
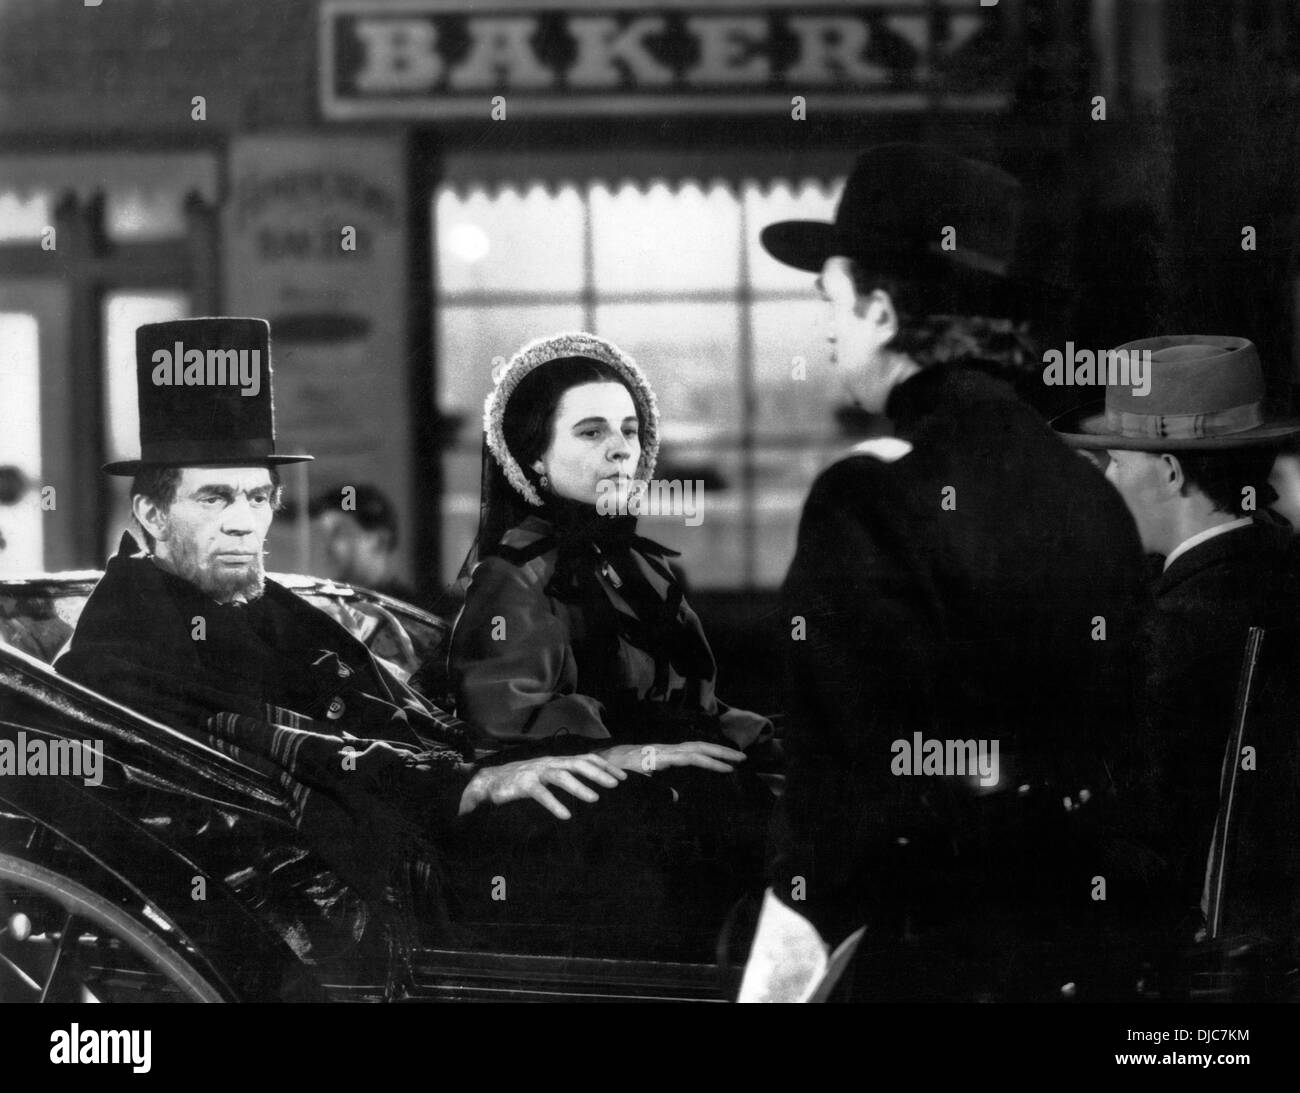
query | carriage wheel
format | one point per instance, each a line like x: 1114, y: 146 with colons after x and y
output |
x: 61, y: 942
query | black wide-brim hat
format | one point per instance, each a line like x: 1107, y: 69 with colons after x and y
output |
x: 1207, y: 393
x: 893, y: 219
x: 204, y: 391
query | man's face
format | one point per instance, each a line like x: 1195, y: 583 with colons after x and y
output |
x: 213, y: 533
x: 859, y: 328
x: 1144, y: 481
x: 355, y: 555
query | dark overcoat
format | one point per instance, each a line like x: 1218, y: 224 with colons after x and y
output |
x: 1193, y: 642
x: 273, y: 669
x: 971, y: 579
x: 156, y: 643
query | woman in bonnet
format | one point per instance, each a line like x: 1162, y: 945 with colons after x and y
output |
x: 573, y: 624
x: 574, y: 636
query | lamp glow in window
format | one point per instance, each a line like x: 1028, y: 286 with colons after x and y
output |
x: 510, y: 241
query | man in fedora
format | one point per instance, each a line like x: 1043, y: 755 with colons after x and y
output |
x: 1191, y: 459
x: 964, y: 582
x: 191, y: 631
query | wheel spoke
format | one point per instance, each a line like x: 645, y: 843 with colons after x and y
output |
x: 27, y: 980
x: 58, y: 955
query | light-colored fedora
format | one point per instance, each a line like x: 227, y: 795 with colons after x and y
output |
x: 1206, y: 392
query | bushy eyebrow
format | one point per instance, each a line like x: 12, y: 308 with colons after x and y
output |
x: 227, y: 493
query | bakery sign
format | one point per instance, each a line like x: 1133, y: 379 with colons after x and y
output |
x: 462, y: 59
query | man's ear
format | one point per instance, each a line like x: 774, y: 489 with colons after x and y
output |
x: 1171, y: 473
x: 877, y: 307
x: 152, y: 517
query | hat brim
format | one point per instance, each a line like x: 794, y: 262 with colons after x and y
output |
x: 806, y: 244
x: 131, y: 467
x: 1085, y: 427
x: 803, y: 244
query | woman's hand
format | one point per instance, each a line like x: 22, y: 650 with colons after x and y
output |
x: 530, y: 778
x: 648, y: 758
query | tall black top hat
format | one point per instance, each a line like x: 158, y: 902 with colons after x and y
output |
x: 891, y: 220
x: 204, y: 389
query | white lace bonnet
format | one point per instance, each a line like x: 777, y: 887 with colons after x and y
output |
x: 555, y: 347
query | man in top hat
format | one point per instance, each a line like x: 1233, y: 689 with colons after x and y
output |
x: 964, y: 582
x: 190, y: 630
x: 1191, y: 459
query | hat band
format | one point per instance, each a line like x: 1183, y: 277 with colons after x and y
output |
x: 204, y: 450
x: 1236, y: 419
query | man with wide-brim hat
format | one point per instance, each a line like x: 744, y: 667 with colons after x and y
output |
x: 192, y: 632
x: 1191, y: 457
x: 944, y: 588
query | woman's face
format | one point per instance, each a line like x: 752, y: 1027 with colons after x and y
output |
x: 594, y: 439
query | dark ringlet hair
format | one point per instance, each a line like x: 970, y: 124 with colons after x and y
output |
x: 941, y: 321
x: 1223, y: 475
x: 159, y: 485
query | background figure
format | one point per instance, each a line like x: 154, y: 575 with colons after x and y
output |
x: 1285, y: 482
x: 360, y: 531
x: 1192, y: 460
x: 13, y: 486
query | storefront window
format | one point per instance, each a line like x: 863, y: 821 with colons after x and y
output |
x: 732, y: 341
x: 21, y: 540
x: 123, y: 312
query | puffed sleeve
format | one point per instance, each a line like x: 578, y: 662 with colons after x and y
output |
x: 511, y: 666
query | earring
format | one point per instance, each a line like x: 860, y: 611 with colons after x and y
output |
x: 545, y: 482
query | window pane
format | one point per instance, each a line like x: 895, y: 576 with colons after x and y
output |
x: 689, y: 353
x: 470, y: 339
x: 789, y: 340
x: 137, y: 214
x: 783, y: 475
x: 23, y: 217
x: 462, y: 470
x: 123, y: 312
x: 22, y: 545
x: 665, y: 241
x: 783, y: 201
x: 714, y: 550
x: 513, y: 242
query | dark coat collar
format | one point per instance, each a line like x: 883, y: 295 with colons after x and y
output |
x: 940, y: 384
x: 1237, y: 546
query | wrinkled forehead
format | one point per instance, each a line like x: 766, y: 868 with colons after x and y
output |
x: 1123, y: 457
x: 236, y: 479
x: 607, y: 401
